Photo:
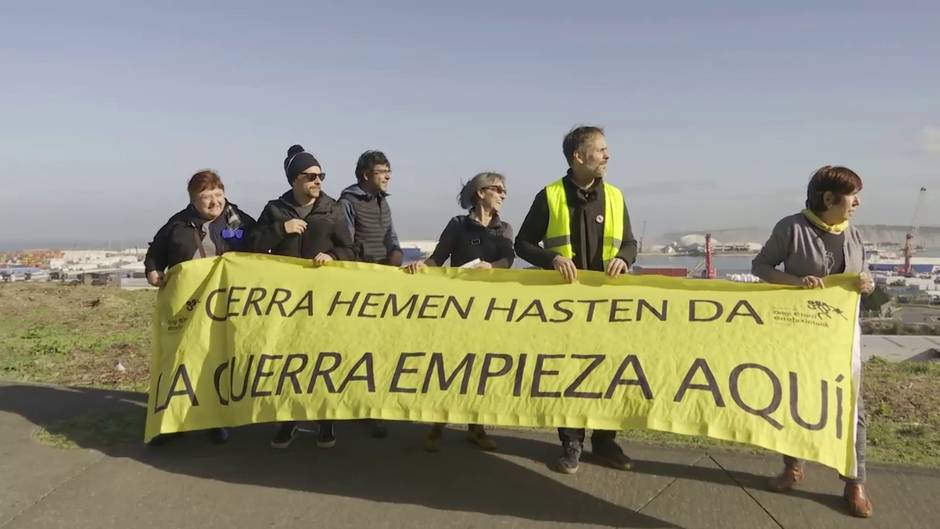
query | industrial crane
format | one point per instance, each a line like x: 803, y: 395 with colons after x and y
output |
x: 709, y: 272
x: 907, y: 269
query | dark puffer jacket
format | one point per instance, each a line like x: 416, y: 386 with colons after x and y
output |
x: 369, y: 221
x: 326, y: 230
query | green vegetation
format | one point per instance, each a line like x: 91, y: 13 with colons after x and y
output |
x: 79, y: 335
x: 903, y: 402
x: 875, y: 300
x: 76, y: 335
x: 903, y: 406
x: 894, y: 327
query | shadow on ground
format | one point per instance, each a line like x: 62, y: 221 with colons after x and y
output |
x: 718, y: 476
x: 390, y: 470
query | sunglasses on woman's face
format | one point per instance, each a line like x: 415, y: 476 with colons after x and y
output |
x: 500, y: 190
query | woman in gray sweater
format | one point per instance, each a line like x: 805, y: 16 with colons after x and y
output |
x: 811, y: 245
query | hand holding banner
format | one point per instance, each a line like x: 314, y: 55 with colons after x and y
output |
x: 247, y: 338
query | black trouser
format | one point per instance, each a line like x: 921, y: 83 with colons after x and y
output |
x: 571, y: 435
x: 287, y: 424
x: 470, y: 427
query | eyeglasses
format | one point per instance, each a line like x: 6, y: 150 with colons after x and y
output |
x: 500, y: 190
x: 311, y: 176
x: 380, y: 172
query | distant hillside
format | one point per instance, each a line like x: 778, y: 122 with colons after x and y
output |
x: 928, y: 236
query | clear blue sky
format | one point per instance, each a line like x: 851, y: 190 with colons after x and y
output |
x: 716, y: 115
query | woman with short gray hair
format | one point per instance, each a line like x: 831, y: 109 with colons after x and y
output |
x: 478, y: 239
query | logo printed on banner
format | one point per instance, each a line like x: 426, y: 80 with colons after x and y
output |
x: 816, y: 314
x: 824, y: 309
x: 176, y: 324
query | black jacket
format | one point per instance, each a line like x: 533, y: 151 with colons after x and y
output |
x: 587, y: 234
x: 464, y: 239
x: 175, y: 242
x: 326, y: 230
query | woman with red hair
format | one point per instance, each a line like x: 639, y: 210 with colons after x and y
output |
x: 207, y: 227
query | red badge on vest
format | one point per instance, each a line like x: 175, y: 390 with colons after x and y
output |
x: 599, y: 219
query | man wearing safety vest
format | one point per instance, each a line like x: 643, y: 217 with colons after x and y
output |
x: 582, y: 223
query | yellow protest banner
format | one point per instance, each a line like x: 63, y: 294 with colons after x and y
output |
x: 247, y: 338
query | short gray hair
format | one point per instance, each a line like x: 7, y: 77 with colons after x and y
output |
x: 577, y: 139
x: 468, y: 193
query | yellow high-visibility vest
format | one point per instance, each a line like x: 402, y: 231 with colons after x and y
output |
x: 558, y: 235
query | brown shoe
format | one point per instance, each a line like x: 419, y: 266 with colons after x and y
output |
x: 856, y: 500
x: 791, y: 475
x: 478, y: 437
x: 432, y: 441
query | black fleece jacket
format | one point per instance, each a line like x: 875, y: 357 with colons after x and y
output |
x: 175, y: 242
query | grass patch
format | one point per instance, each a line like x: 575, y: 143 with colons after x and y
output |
x: 903, y: 404
x: 95, y: 430
x: 76, y: 335
x: 903, y: 401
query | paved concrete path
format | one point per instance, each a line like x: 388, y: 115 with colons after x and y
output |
x: 391, y: 483
x: 898, y: 348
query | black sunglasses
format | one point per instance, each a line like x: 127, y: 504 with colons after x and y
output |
x: 310, y: 176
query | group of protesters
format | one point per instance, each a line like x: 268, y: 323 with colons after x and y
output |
x: 577, y: 222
